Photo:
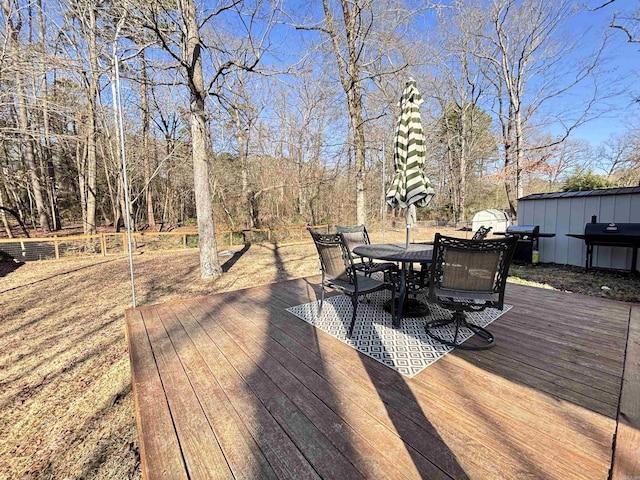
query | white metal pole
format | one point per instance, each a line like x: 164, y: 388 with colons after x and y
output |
x: 125, y: 180
x: 384, y: 193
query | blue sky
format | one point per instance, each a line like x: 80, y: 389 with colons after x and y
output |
x: 623, y: 67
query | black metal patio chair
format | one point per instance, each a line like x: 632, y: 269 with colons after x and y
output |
x: 468, y: 276
x: 481, y: 233
x: 356, y: 235
x: 339, y: 272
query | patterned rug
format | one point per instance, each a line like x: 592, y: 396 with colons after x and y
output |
x: 408, y: 349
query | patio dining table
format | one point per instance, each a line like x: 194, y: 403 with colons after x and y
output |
x: 406, y: 256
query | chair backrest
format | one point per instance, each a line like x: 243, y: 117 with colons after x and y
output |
x: 335, y: 259
x: 471, y: 266
x: 481, y: 233
x: 354, y: 235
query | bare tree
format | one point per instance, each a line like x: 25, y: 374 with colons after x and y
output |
x: 181, y: 37
x: 463, y: 127
x: 81, y: 38
x: 619, y: 157
x: 527, y: 60
x: 354, y: 31
x: 627, y: 21
x: 13, y: 15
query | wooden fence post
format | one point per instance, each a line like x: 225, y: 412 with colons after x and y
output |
x: 56, y: 248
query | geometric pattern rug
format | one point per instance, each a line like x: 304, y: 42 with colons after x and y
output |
x: 408, y: 349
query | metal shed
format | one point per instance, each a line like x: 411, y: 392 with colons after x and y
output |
x: 569, y: 212
x: 496, y: 219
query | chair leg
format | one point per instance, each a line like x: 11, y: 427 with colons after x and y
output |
x: 354, y: 303
x: 321, y: 301
x: 395, y: 321
x: 459, y: 319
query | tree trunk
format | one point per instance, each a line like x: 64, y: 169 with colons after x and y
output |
x: 465, y: 111
x: 147, y: 151
x: 3, y: 215
x: 81, y: 162
x: 359, y: 147
x: 14, y: 25
x: 92, y: 150
x: 209, y: 264
x: 48, y: 149
x: 350, y: 79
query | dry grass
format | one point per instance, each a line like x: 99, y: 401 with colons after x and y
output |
x: 66, y: 407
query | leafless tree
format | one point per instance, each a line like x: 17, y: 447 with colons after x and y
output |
x: 180, y: 33
x: 361, y: 47
x: 627, y: 21
x: 619, y: 157
x: 529, y: 62
x: 13, y: 16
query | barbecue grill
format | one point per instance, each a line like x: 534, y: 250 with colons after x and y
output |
x: 610, y: 235
x: 527, y: 241
x: 528, y: 236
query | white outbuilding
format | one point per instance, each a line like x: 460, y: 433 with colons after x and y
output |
x: 498, y: 220
x: 565, y: 213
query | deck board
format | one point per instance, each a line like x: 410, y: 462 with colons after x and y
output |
x: 160, y: 455
x: 266, y: 395
x: 626, y: 462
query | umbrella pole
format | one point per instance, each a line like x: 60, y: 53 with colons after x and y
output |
x: 410, y: 220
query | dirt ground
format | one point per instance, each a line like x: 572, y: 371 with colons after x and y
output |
x: 66, y: 407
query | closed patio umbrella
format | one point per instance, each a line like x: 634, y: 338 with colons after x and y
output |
x: 410, y: 188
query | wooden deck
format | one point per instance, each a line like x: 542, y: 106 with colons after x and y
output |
x: 233, y: 386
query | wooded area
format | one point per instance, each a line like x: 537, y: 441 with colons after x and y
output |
x: 283, y: 113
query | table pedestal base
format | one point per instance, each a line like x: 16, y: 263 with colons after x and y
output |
x: 412, y: 308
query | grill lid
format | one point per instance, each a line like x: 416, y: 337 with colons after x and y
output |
x: 523, y: 229
x: 612, y: 229
x: 612, y: 233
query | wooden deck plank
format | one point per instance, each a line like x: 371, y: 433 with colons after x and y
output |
x: 577, y: 365
x: 369, y: 437
x: 295, y: 399
x: 416, y: 440
x: 343, y: 352
x: 328, y: 460
x: 626, y: 460
x: 244, y: 457
x: 275, y: 444
x: 535, y: 415
x: 345, y: 378
x: 592, y: 342
x: 160, y: 455
x: 191, y: 425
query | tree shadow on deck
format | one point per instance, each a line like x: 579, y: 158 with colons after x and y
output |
x: 348, y: 430
x: 456, y: 398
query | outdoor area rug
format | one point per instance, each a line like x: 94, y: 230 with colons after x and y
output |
x: 408, y: 349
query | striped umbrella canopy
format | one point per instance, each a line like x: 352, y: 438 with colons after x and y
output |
x: 410, y: 187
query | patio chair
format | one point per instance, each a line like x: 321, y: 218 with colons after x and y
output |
x: 468, y: 276
x: 481, y: 233
x: 339, y: 272
x: 355, y: 235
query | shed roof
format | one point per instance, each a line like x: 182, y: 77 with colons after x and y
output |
x: 583, y: 193
x: 493, y: 211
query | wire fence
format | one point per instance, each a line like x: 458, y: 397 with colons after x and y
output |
x: 103, y: 244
